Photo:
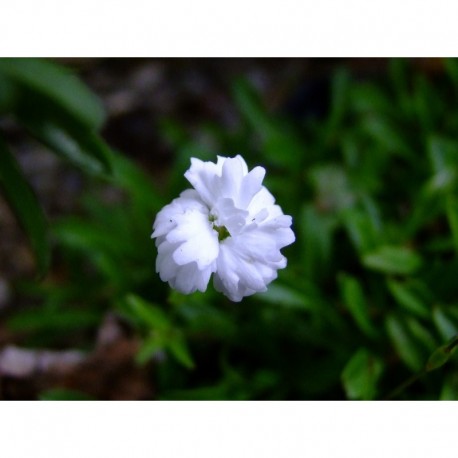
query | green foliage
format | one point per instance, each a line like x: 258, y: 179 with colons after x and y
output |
x: 361, y: 374
x: 161, y: 333
x: 392, y: 260
x: 369, y: 297
x: 441, y: 355
x: 57, y: 84
x: 25, y: 205
x: 59, y: 111
x: 60, y: 394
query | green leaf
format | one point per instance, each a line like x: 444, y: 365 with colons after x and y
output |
x: 369, y: 98
x: 450, y: 388
x: 332, y: 188
x: 276, y: 136
x: 57, y: 84
x: 177, y: 345
x: 422, y: 335
x: 51, y: 320
x: 57, y: 109
x: 250, y: 105
x: 451, y: 67
x: 443, y: 323
x: 89, y: 237
x: 174, y: 342
x: 63, y: 394
x: 340, y: 87
x: 396, y: 260
x: 361, y: 230
x: 442, y: 154
x: 440, y: 356
x: 7, y: 94
x: 452, y: 216
x: 136, y: 182
x: 285, y: 296
x: 149, y: 348
x: 355, y: 301
x: 399, y: 71
x: 361, y: 374
x: 281, y: 137
x: 204, y: 319
x: 443, y: 157
x: 386, y: 135
x: 63, y: 134
x: 25, y: 205
x: 407, y: 299
x: 406, y: 347
x: 425, y: 102
x: 164, y: 334
x: 316, y: 233
x: 149, y: 314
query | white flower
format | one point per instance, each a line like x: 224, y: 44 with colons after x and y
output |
x: 228, y: 225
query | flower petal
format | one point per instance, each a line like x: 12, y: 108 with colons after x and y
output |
x: 225, y: 196
x: 187, y: 244
x: 189, y: 279
x: 203, y: 177
x: 250, y: 186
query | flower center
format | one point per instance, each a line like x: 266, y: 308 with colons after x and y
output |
x: 222, y: 231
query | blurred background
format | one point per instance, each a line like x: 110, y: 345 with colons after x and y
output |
x: 363, y: 153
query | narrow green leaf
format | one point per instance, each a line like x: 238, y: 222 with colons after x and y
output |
x: 443, y: 323
x: 440, y: 356
x: 163, y: 336
x: 407, y: 299
x: 424, y: 101
x: 136, y: 182
x: 285, y: 296
x: 339, y: 90
x: 177, y: 345
x: 355, y: 301
x: 148, y: 313
x: 275, y: 135
x: 399, y: 71
x: 421, y: 334
x: 250, y: 105
x: 450, y: 388
x: 405, y: 345
x: 317, y: 230
x: 442, y: 154
x: 149, y: 348
x: 387, y: 135
x: 361, y: 230
x: 393, y: 260
x: 332, y: 187
x: 52, y: 320
x: 369, y: 98
x: 61, y: 133
x: 452, y: 216
x: 361, y: 374
x: 64, y: 394
x: 7, y: 94
x: 90, y: 237
x: 59, y: 85
x: 451, y: 67
x: 25, y: 205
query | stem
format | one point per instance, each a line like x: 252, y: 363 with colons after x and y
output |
x: 404, y: 385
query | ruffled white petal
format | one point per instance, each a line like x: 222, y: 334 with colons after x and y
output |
x: 228, y: 225
x: 248, y: 262
x: 187, y: 244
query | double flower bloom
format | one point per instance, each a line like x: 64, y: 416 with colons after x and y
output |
x: 228, y: 225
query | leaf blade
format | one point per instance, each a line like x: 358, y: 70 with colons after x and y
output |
x: 58, y: 84
x: 25, y: 205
